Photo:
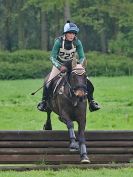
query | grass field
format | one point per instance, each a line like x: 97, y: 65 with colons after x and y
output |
x: 18, y: 108
x: 127, y: 172
x: 18, y: 112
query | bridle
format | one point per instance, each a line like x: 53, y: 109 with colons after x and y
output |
x: 80, y: 87
x: 72, y: 89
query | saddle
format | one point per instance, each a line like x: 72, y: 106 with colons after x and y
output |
x: 58, y: 83
x: 60, y: 80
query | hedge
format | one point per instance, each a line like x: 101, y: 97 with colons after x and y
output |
x: 36, y: 64
x: 24, y: 64
x: 109, y: 65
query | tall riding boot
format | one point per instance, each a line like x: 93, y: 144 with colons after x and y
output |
x: 42, y: 106
x: 93, y: 105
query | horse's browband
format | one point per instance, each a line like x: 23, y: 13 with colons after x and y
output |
x: 78, y: 71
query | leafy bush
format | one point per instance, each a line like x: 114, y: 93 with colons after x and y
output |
x: 122, y: 44
x: 108, y: 64
x: 24, y: 64
x: 36, y: 64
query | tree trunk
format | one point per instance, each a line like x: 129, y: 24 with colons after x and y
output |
x: 44, y: 30
x: 67, y: 14
x: 8, y: 41
x: 57, y: 19
x: 21, y: 39
x: 103, y: 42
x: 1, y: 47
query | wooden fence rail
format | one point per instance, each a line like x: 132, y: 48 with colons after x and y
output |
x: 52, y: 147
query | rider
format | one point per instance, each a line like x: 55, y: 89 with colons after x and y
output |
x: 65, y: 48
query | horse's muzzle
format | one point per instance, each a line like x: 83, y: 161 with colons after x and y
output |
x: 80, y: 93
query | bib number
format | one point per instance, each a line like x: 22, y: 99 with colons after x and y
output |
x: 67, y: 56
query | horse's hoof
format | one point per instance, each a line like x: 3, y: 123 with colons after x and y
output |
x: 73, y: 150
x: 74, y: 146
x: 45, y: 127
x: 85, y: 159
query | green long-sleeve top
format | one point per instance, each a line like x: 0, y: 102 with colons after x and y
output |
x: 56, y: 49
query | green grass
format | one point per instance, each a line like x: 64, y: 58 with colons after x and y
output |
x: 18, y: 112
x: 126, y: 172
x: 18, y: 108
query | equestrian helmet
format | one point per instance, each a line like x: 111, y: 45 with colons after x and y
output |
x: 70, y: 27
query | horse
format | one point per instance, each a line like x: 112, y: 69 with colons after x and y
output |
x: 68, y: 100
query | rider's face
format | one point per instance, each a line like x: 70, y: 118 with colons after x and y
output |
x: 70, y: 36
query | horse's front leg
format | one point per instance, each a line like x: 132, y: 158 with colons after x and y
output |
x: 82, y: 145
x: 74, y: 146
x: 48, y: 125
x: 65, y: 118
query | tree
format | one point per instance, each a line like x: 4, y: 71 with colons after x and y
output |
x: 2, y: 15
x: 44, y: 8
x: 36, y: 23
x: 67, y: 14
x: 21, y: 31
x: 122, y: 40
x: 8, y: 11
x: 44, y: 30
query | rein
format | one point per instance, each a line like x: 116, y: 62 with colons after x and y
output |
x: 72, y: 89
x: 33, y: 93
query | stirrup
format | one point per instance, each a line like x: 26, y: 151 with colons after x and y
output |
x: 42, y: 106
x: 93, y: 106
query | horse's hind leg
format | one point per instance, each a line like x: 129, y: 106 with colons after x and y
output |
x: 48, y: 125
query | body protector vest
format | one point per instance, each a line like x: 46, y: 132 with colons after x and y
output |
x: 65, y: 54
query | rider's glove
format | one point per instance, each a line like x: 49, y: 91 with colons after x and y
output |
x: 63, y: 69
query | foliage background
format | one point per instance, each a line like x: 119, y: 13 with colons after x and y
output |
x: 105, y: 25
x: 28, y: 29
x: 36, y: 64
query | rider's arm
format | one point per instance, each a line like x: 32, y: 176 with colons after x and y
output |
x: 80, y: 51
x: 54, y: 53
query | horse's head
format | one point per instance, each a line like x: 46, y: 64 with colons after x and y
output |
x: 78, y: 81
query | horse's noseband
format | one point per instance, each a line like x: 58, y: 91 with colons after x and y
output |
x: 82, y: 87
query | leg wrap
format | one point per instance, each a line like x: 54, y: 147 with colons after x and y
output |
x: 83, y: 149
x: 81, y: 140
x: 69, y: 124
x: 71, y: 133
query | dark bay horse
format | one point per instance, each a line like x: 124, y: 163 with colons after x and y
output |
x: 68, y: 100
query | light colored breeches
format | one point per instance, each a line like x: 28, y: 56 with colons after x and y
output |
x: 54, y: 72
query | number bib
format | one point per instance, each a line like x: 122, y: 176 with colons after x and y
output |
x: 66, y: 55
